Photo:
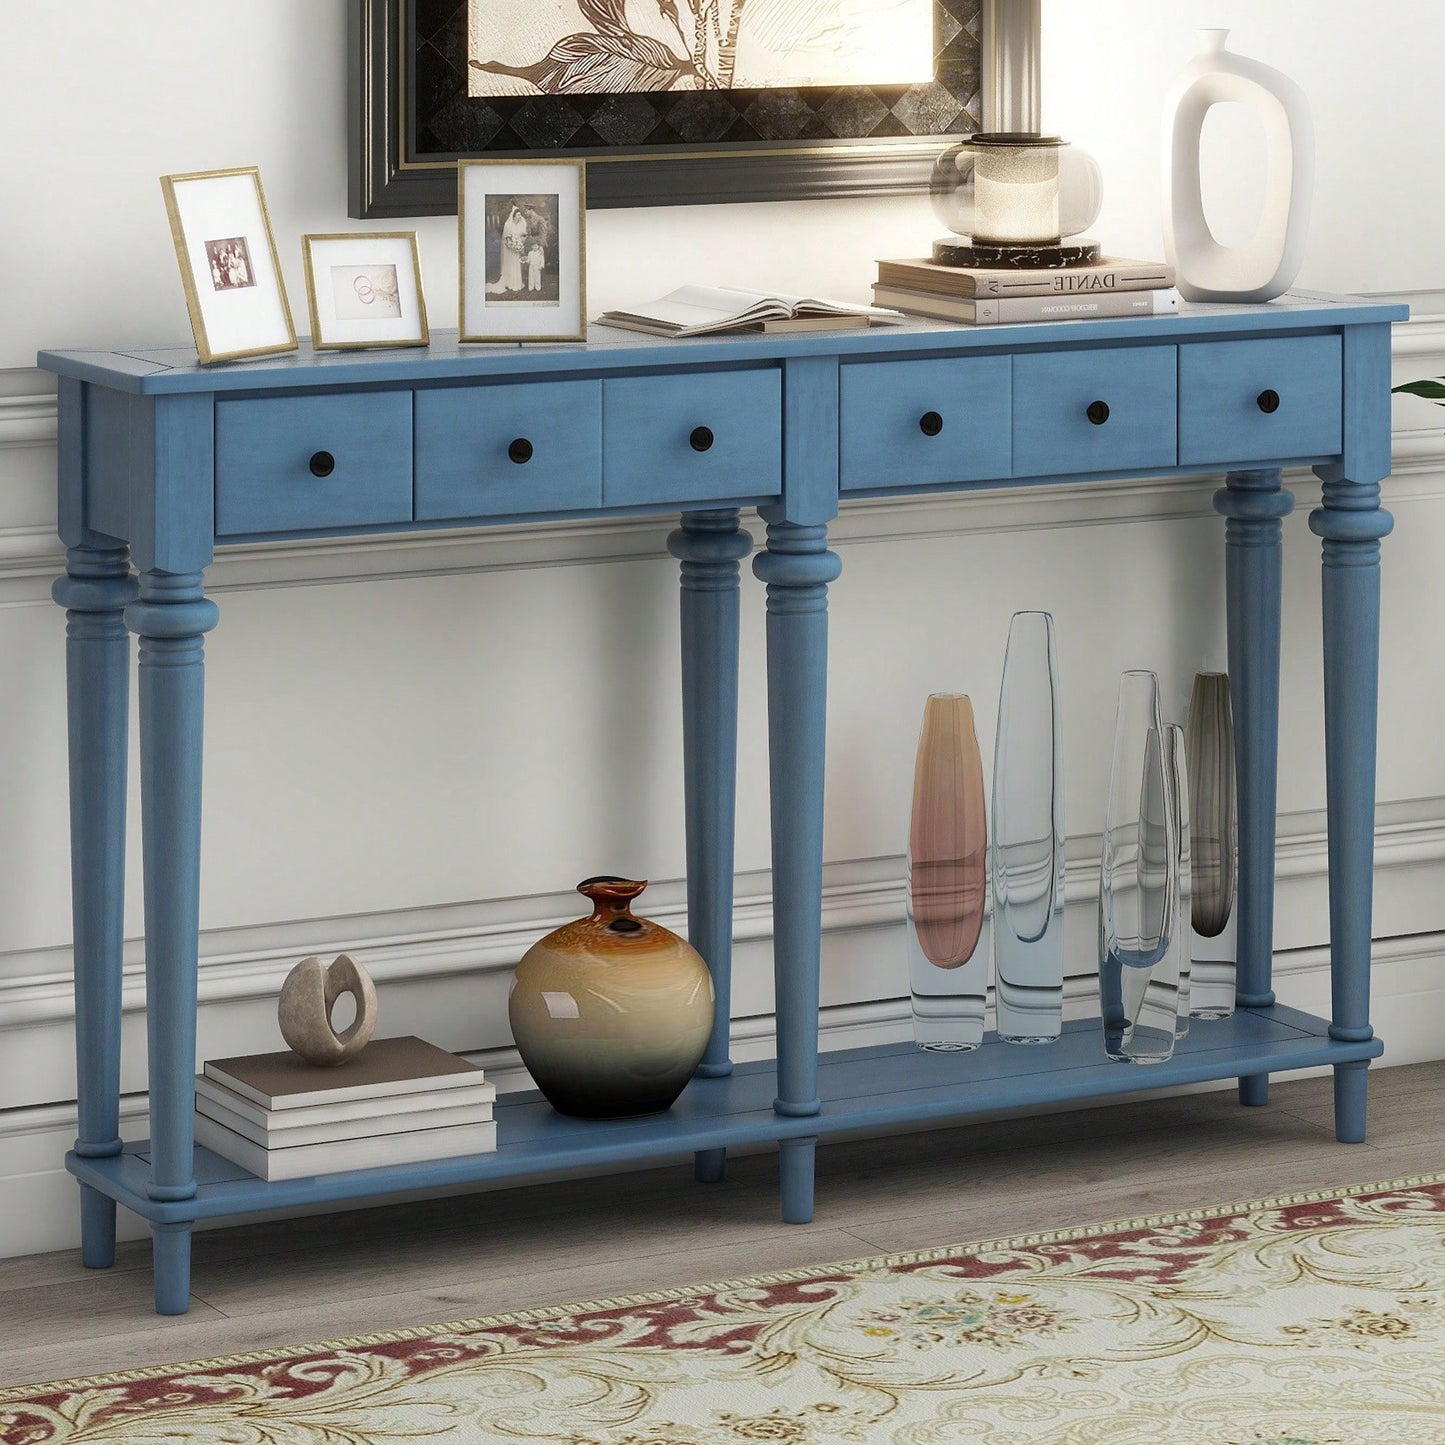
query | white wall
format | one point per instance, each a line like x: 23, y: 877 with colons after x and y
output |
x: 415, y: 746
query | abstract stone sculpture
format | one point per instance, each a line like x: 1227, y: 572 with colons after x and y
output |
x: 307, y: 998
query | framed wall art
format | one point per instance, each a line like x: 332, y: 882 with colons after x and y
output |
x: 229, y: 267
x: 521, y: 235
x: 670, y: 101
x: 365, y: 290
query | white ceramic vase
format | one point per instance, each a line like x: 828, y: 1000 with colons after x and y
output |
x: 1267, y: 264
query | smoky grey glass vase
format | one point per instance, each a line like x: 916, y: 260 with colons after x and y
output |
x: 1028, y: 838
x: 1213, y: 846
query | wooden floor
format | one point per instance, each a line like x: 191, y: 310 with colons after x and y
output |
x: 333, y: 1275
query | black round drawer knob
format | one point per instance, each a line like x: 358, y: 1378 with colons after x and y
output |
x: 1098, y: 412
x: 322, y: 464
x: 1268, y: 401
x: 520, y: 450
x: 930, y: 423
x: 701, y: 438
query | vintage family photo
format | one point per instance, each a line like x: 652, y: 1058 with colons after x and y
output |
x: 230, y: 263
x: 521, y: 241
x: 229, y: 267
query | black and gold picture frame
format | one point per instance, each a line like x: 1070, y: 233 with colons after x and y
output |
x: 669, y: 101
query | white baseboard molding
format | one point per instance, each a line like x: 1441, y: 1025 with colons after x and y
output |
x: 424, y: 944
x: 37, y: 1197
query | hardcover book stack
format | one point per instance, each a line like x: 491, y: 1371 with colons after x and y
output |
x: 400, y: 1101
x: 1111, y: 286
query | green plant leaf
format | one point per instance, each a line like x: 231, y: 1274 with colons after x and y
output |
x: 1429, y: 390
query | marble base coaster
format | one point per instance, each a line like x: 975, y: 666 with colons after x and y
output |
x: 961, y: 251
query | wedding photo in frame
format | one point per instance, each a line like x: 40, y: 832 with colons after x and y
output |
x: 229, y: 267
x: 521, y: 237
x: 364, y: 289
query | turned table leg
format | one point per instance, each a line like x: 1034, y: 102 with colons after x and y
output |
x: 1254, y: 504
x: 1351, y: 523
x: 797, y: 568
x: 709, y: 546
x: 94, y: 591
x: 171, y: 618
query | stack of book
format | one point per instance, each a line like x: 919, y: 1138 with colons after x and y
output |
x: 1108, y: 287
x: 400, y: 1101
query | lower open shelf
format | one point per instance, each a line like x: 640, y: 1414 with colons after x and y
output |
x: 859, y: 1088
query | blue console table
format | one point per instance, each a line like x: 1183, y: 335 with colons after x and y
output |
x: 161, y: 460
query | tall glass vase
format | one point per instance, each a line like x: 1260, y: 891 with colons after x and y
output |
x: 1028, y: 838
x: 947, y: 879
x: 1139, y: 884
x: 1177, y: 767
x: 1210, y: 747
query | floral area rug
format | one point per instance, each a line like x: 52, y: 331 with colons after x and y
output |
x: 1314, y: 1319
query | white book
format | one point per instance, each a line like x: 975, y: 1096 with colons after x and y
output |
x: 417, y: 1147
x: 1004, y: 310
x: 708, y: 310
x: 343, y: 1111
x: 282, y: 1133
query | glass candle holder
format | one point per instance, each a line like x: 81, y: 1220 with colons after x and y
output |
x: 1018, y: 200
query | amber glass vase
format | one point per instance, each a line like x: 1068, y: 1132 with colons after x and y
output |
x: 611, y: 1013
x: 947, y: 879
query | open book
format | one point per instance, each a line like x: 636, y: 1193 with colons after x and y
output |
x: 705, y: 310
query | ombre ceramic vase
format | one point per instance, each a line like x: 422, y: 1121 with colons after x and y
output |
x: 1028, y: 838
x: 947, y: 885
x: 611, y: 1013
x: 1139, y: 884
x: 1213, y: 846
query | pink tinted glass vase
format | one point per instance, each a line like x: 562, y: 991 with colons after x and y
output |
x: 947, y: 879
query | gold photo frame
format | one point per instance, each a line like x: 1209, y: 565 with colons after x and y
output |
x: 522, y: 250
x: 364, y: 289
x: 230, y: 269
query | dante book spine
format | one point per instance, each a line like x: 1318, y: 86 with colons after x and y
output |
x: 1071, y: 283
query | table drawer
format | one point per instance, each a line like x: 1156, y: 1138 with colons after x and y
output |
x: 304, y: 463
x: 705, y: 436
x: 506, y: 449
x: 909, y: 423
x: 1260, y: 401
x: 1058, y: 429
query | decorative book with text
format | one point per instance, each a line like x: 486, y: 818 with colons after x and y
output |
x: 1004, y: 310
x: 1112, y: 273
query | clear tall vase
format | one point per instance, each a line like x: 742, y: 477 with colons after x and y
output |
x: 1177, y: 767
x: 1139, y: 884
x: 947, y: 879
x: 1210, y: 747
x: 1028, y: 838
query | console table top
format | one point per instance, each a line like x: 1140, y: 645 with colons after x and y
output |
x: 172, y: 369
